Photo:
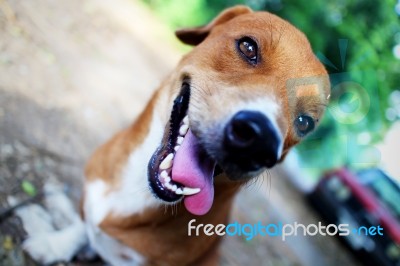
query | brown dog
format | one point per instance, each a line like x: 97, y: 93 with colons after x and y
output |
x: 249, y: 91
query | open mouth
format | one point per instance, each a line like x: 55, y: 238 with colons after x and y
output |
x: 180, y: 167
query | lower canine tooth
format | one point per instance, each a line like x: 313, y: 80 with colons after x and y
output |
x: 187, y: 191
x: 167, y: 162
x: 183, y: 130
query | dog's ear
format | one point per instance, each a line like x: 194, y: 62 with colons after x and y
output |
x: 194, y: 36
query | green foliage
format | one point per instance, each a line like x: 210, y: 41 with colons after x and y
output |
x: 179, y: 13
x: 363, y: 73
x: 354, y: 38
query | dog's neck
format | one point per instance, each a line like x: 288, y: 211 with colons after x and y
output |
x: 145, y: 223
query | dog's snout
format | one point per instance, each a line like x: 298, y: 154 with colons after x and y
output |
x: 251, y: 140
x: 244, y: 130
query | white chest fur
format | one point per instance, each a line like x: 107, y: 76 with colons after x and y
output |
x: 131, y: 196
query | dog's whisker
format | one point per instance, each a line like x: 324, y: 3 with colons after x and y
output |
x: 269, y: 176
x: 176, y: 209
x: 260, y: 181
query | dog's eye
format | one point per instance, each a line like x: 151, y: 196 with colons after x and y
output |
x: 248, y: 48
x: 304, y: 124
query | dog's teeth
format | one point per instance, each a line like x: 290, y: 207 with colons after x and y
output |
x: 187, y: 191
x: 167, y: 162
x: 186, y: 120
x: 183, y: 130
x: 179, y: 191
x: 171, y: 187
x: 168, y: 185
x: 179, y: 140
x: 176, y: 148
x: 164, y: 175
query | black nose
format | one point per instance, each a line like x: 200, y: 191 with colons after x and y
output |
x: 251, y: 141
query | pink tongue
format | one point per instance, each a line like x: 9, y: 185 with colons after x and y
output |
x: 194, y: 171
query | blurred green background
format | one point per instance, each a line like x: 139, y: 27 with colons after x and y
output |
x: 359, y: 43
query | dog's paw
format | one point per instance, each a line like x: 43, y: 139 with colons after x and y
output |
x: 59, y: 206
x: 35, y: 219
x: 45, y: 251
x: 56, y: 246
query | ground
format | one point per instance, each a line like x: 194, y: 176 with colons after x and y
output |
x: 73, y: 73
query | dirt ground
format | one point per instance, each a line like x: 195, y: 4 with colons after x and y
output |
x: 72, y: 73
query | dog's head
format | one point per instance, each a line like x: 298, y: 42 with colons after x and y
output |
x: 249, y: 91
